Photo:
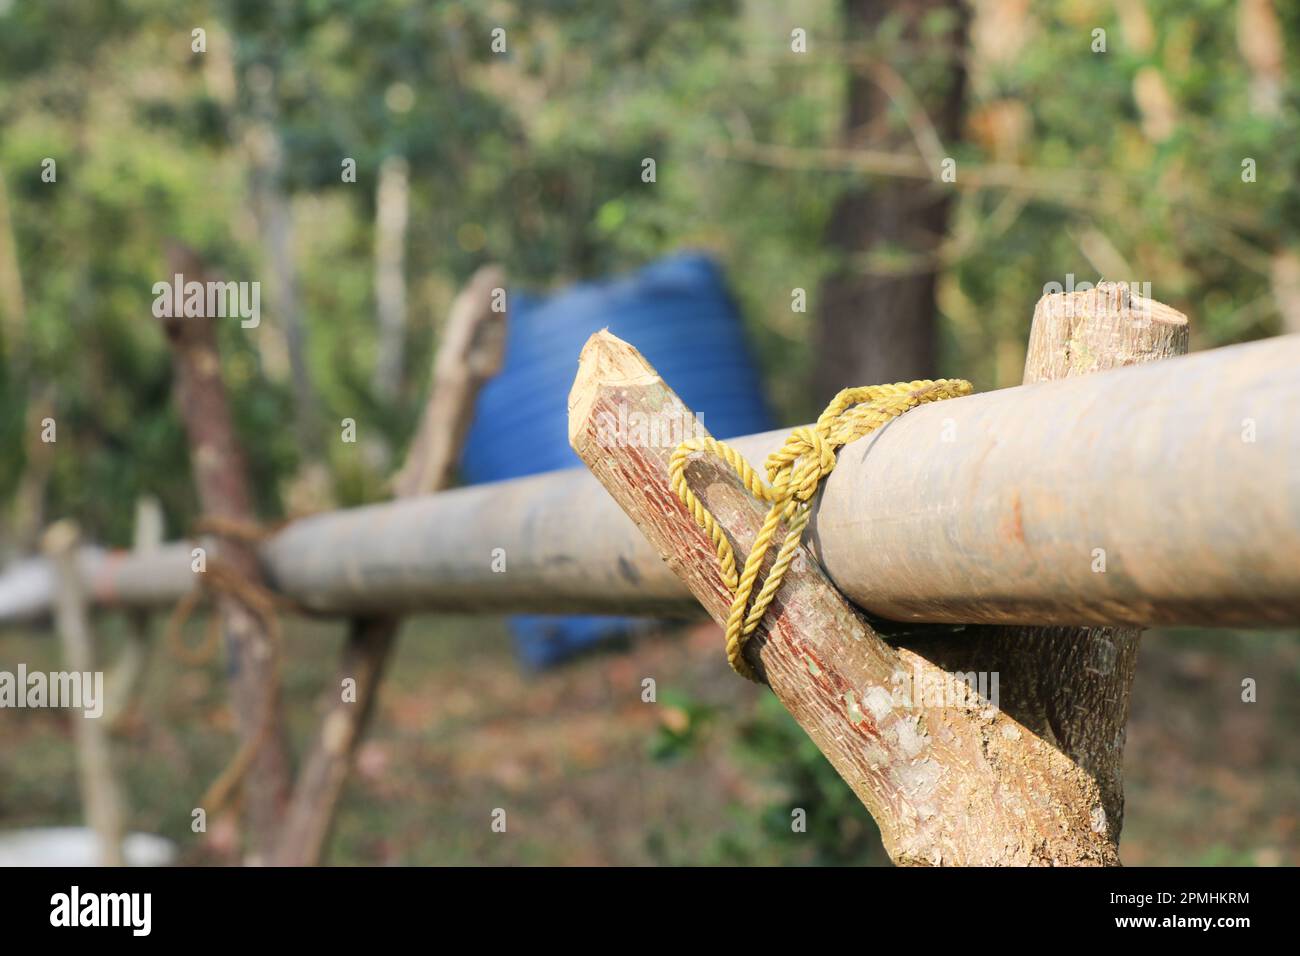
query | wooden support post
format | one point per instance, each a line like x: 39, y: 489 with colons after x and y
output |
x: 325, y: 770
x: 471, y: 352
x: 127, y: 675
x: 963, y: 783
x: 27, y: 508
x: 472, y: 348
x: 1070, y: 685
x: 100, y: 795
x: 221, y: 479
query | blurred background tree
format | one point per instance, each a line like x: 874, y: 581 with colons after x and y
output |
x: 1151, y: 141
x: 804, y: 144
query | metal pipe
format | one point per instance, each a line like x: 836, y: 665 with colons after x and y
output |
x: 1160, y: 494
x: 1166, y: 493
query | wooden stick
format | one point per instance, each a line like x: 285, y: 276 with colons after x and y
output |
x: 956, y: 784
x: 127, y: 676
x: 100, y: 795
x: 1111, y: 326
x: 324, y: 772
x: 1070, y: 685
x: 471, y: 352
x: 221, y: 479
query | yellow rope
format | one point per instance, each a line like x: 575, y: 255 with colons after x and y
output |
x: 794, y: 473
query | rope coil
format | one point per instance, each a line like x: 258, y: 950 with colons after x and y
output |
x: 794, y: 473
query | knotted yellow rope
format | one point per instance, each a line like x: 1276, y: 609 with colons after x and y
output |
x: 794, y: 471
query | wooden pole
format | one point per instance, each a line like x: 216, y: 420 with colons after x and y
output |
x: 1163, y: 493
x: 1156, y: 494
x: 1070, y: 685
x: 1181, y: 472
x: 221, y: 480
x: 471, y: 352
x: 958, y: 783
x: 127, y: 676
x: 100, y: 795
x: 319, y: 785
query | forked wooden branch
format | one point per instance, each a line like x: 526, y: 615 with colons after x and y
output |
x: 962, y: 784
x: 471, y: 351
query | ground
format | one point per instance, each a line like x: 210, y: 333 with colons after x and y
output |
x: 589, y: 773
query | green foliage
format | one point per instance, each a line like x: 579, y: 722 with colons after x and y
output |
x: 1173, y: 212
x: 533, y: 157
x: 839, y: 829
x: 834, y: 828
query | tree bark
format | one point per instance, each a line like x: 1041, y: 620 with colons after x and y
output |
x: 960, y: 782
x: 874, y: 326
x: 221, y: 480
x: 1070, y: 685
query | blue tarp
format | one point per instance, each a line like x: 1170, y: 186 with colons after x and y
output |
x: 678, y: 313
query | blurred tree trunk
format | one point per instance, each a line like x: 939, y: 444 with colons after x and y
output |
x: 27, y: 508
x: 392, y: 212
x: 1263, y: 47
x: 871, y: 326
x: 1260, y: 40
x: 13, y: 307
x: 274, y: 215
x: 262, y: 766
x: 26, y: 512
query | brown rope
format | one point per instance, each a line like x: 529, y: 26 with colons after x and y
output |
x: 200, y: 654
x: 222, y: 579
x: 235, y: 529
